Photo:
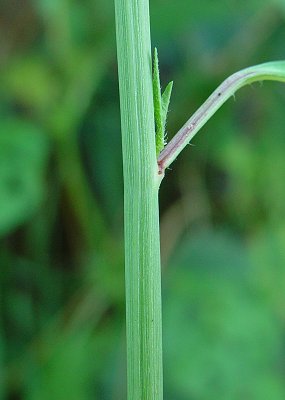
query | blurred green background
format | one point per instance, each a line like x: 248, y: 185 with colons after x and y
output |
x: 62, y: 329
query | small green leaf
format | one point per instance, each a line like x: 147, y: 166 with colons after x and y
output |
x: 161, y: 104
x: 165, y: 100
x: 157, y: 105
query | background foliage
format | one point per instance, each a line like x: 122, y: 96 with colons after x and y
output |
x: 62, y: 333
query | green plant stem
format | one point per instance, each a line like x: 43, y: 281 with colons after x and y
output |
x: 142, y: 248
x: 269, y: 71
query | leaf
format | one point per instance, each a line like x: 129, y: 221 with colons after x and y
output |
x: 157, y: 105
x: 216, y: 328
x: 161, y: 104
x: 23, y: 156
x: 165, y: 100
x: 68, y: 353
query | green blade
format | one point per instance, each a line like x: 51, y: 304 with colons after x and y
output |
x: 165, y: 100
x: 157, y: 105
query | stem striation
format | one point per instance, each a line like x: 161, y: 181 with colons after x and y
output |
x: 141, y: 182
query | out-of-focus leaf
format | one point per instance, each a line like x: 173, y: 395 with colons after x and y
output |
x: 23, y: 156
x: 280, y: 4
x: 197, y: 13
x: 219, y: 338
x: 2, y: 347
x: 66, y: 373
x: 20, y: 311
x: 268, y: 257
x: 29, y: 82
x: 105, y: 167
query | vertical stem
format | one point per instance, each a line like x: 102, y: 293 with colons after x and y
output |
x: 141, y: 181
